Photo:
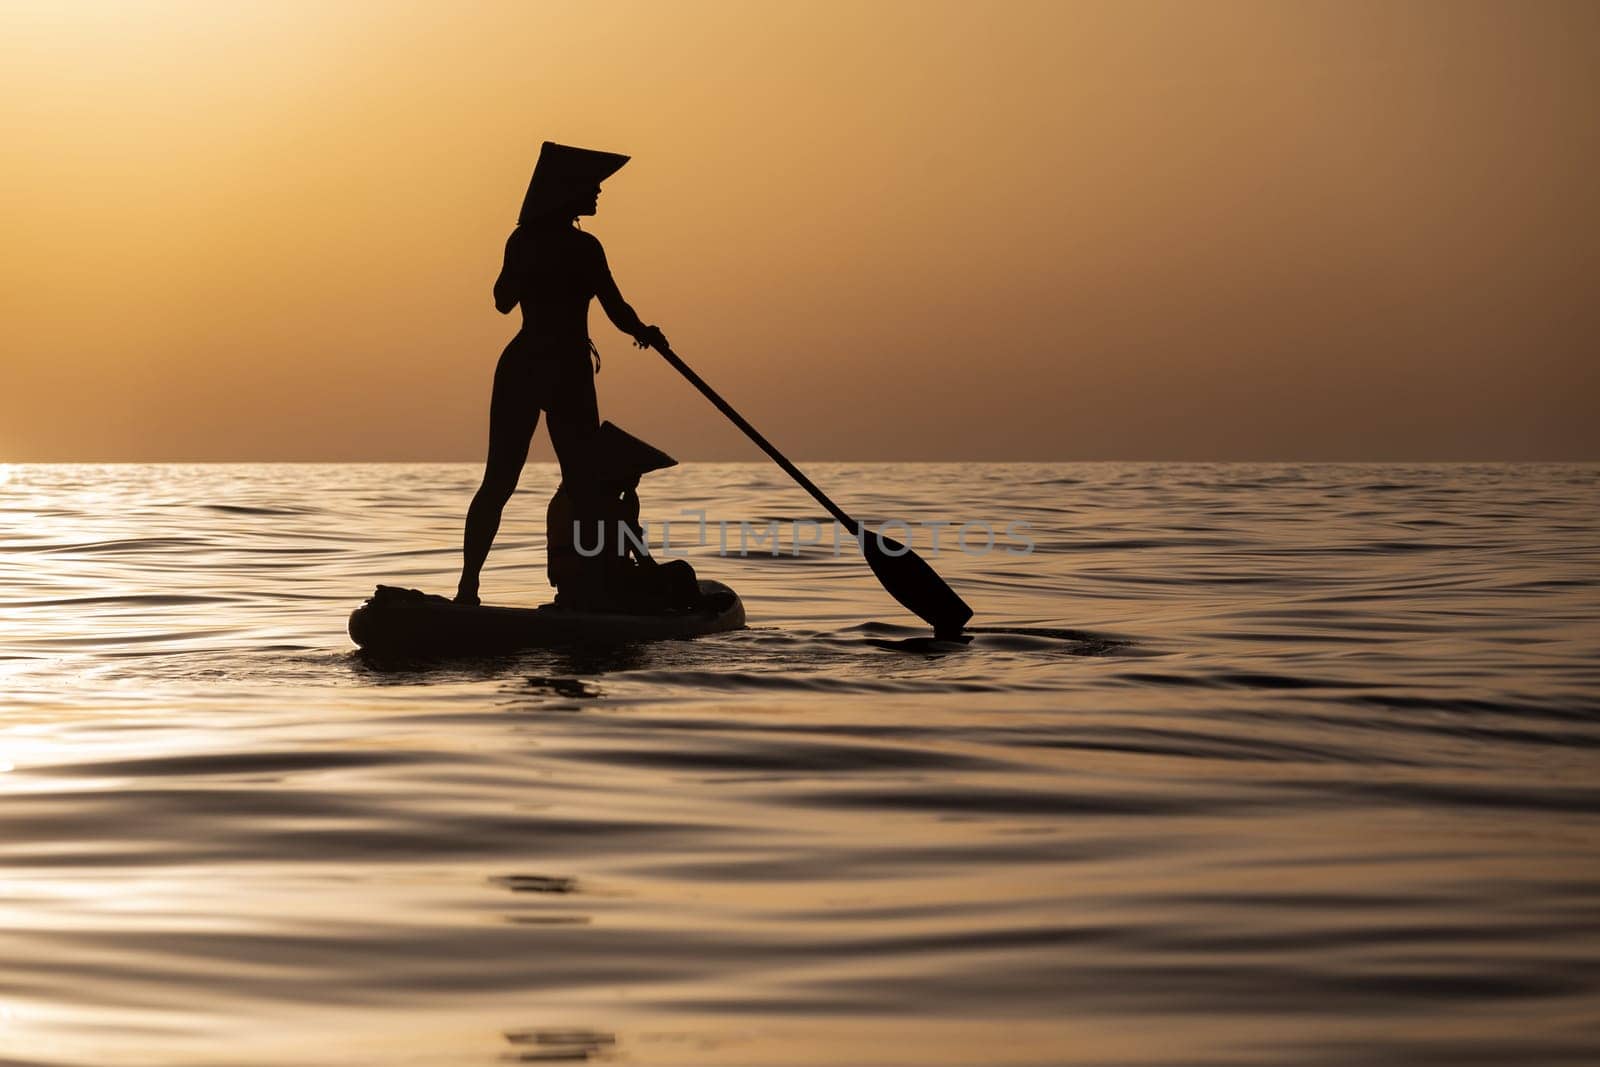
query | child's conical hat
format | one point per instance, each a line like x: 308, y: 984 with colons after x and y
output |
x: 617, y: 454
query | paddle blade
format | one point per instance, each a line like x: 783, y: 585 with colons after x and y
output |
x: 914, y: 584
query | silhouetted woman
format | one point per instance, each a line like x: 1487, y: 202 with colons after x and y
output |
x: 552, y: 269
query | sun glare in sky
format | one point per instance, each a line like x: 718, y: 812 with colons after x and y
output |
x: 884, y: 231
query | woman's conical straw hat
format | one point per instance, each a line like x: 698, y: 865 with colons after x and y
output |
x: 562, y: 173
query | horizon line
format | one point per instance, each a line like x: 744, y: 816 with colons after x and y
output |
x: 765, y: 462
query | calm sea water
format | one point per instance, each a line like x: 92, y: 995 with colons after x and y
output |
x: 1278, y: 764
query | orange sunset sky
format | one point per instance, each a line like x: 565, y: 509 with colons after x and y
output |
x: 885, y: 230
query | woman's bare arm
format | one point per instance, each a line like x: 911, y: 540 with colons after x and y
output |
x: 505, y: 286
x: 621, y: 314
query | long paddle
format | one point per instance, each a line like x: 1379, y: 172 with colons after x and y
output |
x: 900, y: 570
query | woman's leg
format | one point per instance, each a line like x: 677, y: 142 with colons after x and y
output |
x: 574, y: 417
x: 513, y: 417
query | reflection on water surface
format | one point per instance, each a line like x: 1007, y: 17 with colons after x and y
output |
x: 1245, y: 764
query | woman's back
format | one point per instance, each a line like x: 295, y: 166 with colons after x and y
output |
x: 553, y: 272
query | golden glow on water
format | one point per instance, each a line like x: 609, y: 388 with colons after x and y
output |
x: 1249, y: 762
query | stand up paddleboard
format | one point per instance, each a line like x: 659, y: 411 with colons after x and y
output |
x: 408, y: 622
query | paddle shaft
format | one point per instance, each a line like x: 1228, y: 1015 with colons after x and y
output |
x: 903, y: 574
x: 755, y: 435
